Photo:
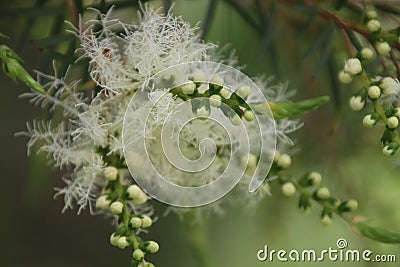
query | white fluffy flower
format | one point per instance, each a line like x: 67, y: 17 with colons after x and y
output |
x: 119, y: 66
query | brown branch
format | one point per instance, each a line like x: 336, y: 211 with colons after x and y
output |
x: 347, y: 41
x: 395, y: 63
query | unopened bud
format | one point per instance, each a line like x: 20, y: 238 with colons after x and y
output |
x: 392, y: 122
x: 116, y: 207
x: 367, y: 53
x: 374, y: 25
x: 345, y: 77
x: 374, y: 92
x: 353, y: 66
x: 383, y: 48
x: 215, y: 101
x: 288, y: 189
x: 348, y: 206
x: 322, y: 193
x: 188, y: 88
x: 357, y: 103
x: 111, y: 173
x: 284, y: 161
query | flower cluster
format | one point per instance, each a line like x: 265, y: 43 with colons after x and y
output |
x: 87, y: 140
x: 380, y: 94
x: 306, y: 188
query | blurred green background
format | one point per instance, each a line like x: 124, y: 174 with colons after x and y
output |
x: 333, y: 141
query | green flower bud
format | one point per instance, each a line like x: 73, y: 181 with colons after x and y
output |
x: 122, y: 242
x: 249, y: 115
x: 371, y: 14
x: 334, y: 201
x: 314, y: 178
x: 151, y: 246
x: 374, y: 25
x: 369, y: 121
x: 284, y: 161
x: 215, y: 101
x: 326, y: 217
x: 386, y: 137
x: 116, y: 207
x: 374, y: 92
x: 146, y: 221
x: 141, y: 199
x: 383, y: 48
x: 353, y: 66
x: 134, y: 191
x: 322, y: 193
x: 224, y: 92
x: 390, y: 149
x: 357, y: 103
x: 345, y: 77
x: 304, y: 203
x: 389, y: 85
x: 114, y: 239
x: 366, y: 53
x: 288, y: 189
x: 102, y: 202
x: 138, y: 254
x: 188, y: 88
x: 392, y: 122
x: 136, y: 194
x: 110, y: 173
x: 348, y: 206
x: 135, y: 222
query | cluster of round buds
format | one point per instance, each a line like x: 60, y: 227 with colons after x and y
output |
x: 283, y: 161
x: 217, y: 93
x: 136, y: 194
x: 374, y: 27
x: 352, y: 67
x: 140, y: 221
x: 122, y: 241
x: 309, y: 180
x: 139, y: 253
x: 336, y: 205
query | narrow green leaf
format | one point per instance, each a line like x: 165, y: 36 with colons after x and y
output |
x: 208, y: 18
x: 334, y: 82
x: 377, y: 233
x: 354, y: 40
x: 281, y: 110
x: 326, y: 51
x: 322, y: 39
